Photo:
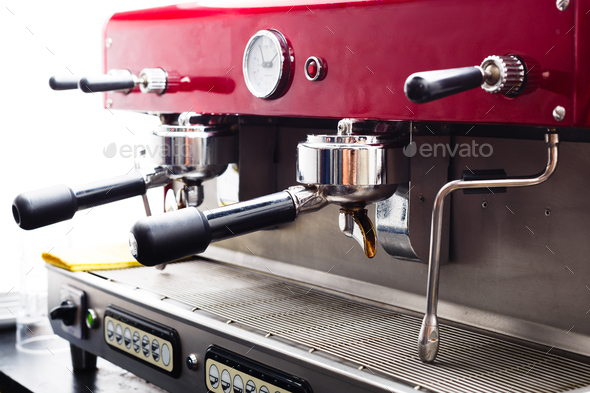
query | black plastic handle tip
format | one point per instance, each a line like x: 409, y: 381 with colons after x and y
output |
x: 423, y: 87
x: 63, y: 82
x: 170, y: 236
x: 39, y: 208
x: 106, y: 83
x: 47, y: 206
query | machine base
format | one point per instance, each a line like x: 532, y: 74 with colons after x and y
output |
x: 331, y: 343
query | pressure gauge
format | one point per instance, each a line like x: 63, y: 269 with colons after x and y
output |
x: 267, y: 64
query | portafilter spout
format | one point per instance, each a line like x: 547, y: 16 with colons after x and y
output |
x: 429, y: 338
x: 347, y: 169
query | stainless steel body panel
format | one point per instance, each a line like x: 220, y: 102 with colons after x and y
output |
x: 402, y: 223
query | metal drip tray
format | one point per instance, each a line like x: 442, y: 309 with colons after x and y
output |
x: 375, y: 338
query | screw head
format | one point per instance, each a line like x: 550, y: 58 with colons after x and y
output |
x: 421, y: 198
x: 559, y: 113
x: 562, y: 4
x: 547, y: 212
x: 484, y: 204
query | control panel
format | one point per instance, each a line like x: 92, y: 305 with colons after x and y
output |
x: 150, y: 342
x: 227, y: 372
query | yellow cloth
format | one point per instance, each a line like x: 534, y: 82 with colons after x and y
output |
x: 110, y: 256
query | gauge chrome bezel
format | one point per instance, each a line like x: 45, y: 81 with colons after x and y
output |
x: 282, y: 48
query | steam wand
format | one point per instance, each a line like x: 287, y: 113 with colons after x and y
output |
x: 429, y: 339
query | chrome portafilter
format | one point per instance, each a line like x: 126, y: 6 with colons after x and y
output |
x: 348, y: 169
x: 189, y: 153
x: 194, y: 151
x: 353, y: 171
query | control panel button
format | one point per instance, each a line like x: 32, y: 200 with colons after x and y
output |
x: 225, y: 381
x: 119, y: 334
x: 110, y: 330
x: 136, y: 345
x: 165, y: 354
x: 127, y: 337
x: 250, y: 387
x: 155, y: 350
x: 145, y: 344
x: 238, y: 384
x: 264, y: 389
x: 214, y: 376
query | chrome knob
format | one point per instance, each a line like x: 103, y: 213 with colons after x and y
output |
x: 153, y: 80
x: 504, y: 74
x: 192, y: 362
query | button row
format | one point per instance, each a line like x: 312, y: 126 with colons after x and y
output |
x: 127, y: 338
x: 238, y: 383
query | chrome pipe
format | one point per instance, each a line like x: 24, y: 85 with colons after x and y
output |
x: 429, y: 338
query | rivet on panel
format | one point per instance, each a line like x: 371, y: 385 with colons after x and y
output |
x: 562, y: 4
x: 559, y: 113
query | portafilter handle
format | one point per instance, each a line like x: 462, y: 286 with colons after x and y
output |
x: 185, y: 232
x: 36, y: 209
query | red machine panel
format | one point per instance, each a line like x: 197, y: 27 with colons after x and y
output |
x: 370, y: 49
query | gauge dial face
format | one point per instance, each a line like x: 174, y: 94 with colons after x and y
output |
x: 267, y: 64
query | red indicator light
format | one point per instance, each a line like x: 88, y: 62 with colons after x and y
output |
x: 312, y: 69
x: 315, y: 69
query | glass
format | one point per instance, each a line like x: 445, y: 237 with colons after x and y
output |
x: 33, y: 329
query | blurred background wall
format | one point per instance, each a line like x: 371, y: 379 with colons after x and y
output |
x: 51, y: 137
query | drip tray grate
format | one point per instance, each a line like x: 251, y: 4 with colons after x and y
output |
x: 376, y: 338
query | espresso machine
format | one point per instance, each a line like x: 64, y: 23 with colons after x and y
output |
x: 395, y: 191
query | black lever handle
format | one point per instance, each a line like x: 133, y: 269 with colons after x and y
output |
x: 36, y: 209
x: 109, y: 82
x: 182, y: 233
x: 423, y: 87
x: 63, y: 82
x: 66, y: 311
